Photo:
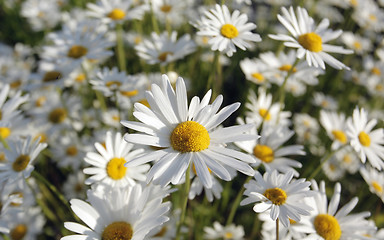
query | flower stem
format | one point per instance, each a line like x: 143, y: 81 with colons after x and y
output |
x: 317, y: 170
x: 120, y: 47
x: 277, y: 228
x: 5, y: 144
x: 184, y: 198
x: 236, y: 202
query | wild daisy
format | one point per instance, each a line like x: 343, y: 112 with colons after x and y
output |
x: 367, y: 143
x: 280, y: 194
x: 357, y: 43
x: 329, y: 223
x: 348, y: 159
x: 335, y: 125
x: 168, y: 11
x: 8, y: 107
x: 254, y: 70
x: 108, y: 163
x: 165, y: 48
x: 185, y: 135
x: 20, y: 157
x: 268, y: 149
x: 310, y: 40
x: 325, y: 102
x: 120, y: 213
x: 218, y: 231
x: 375, y: 181
x: 41, y: 15
x: 227, y: 31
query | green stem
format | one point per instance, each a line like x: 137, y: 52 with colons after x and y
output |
x: 213, y: 76
x: 236, y: 203
x: 120, y: 47
x: 5, y: 144
x: 184, y: 198
x: 154, y: 21
x: 277, y: 229
x: 317, y: 170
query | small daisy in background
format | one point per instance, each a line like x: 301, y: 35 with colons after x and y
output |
x: 280, y: 194
x: 227, y: 31
x: 368, y: 143
x: 335, y: 125
x: 310, y: 40
x: 375, y: 180
x: 254, y: 71
x: 107, y: 165
x: 218, y: 231
x: 357, y: 43
x: 164, y: 48
x: 325, y: 102
x: 184, y: 135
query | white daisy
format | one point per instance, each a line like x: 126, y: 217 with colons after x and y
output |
x: 328, y: 223
x: 311, y: 41
x: 254, y: 70
x: 227, y: 30
x: 348, y: 159
x: 20, y: 157
x: 8, y: 107
x: 108, y: 163
x: 280, y: 194
x: 41, y: 15
x: 165, y: 48
x: 333, y: 169
x: 230, y: 232
x: 375, y: 181
x: 120, y: 213
x: 186, y: 135
x: 326, y: 102
x: 359, y: 44
x: 335, y: 125
x: 269, y: 152
x: 367, y: 143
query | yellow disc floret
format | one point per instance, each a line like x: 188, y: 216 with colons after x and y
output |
x: 258, y: 76
x: 190, y: 136
x: 116, y: 14
x: 229, y: 31
x: 340, y: 136
x: 276, y: 195
x: 166, y: 8
x: 311, y: 41
x: 378, y: 188
x: 4, y: 132
x: 364, y: 139
x: 21, y: 163
x: 18, y: 232
x: 228, y: 235
x: 163, y: 56
x: 117, y: 231
x: 264, y: 113
x: 116, y: 169
x: 327, y: 227
x: 57, y: 115
x: 71, y: 151
x: 77, y: 51
x: 264, y: 153
x: 51, y: 76
x: 129, y: 93
x: 287, y: 68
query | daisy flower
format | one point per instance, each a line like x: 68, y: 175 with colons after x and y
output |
x: 74, y: 186
x: 375, y: 181
x: 254, y: 70
x: 185, y: 135
x: 108, y: 163
x: 326, y: 102
x: 230, y: 232
x: 168, y: 11
x: 165, y: 48
x: 280, y: 194
x: 119, y: 213
x: 310, y: 40
x: 348, y: 159
x: 227, y: 31
x: 20, y: 157
x: 366, y: 142
x: 333, y: 169
x: 41, y: 15
x: 359, y: 44
x: 335, y: 126
x: 327, y: 222
x: 268, y: 149
x: 8, y: 107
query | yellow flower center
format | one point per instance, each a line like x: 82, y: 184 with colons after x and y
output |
x: 116, y: 14
x: 116, y: 118
x: 144, y: 102
x: 15, y: 84
x: 163, y: 56
x: 364, y: 139
x: 353, y: 2
x: 377, y: 187
x: 20, y: 163
x: 376, y: 71
x: 2, y: 158
x: 258, y: 76
x: 51, y: 76
x: 357, y: 45
x: 190, y: 136
x: 228, y: 235
x: 19, y: 195
x: 379, y: 87
x: 162, y: 232
x: 276, y: 195
x: 340, y: 136
x: 71, y: 151
x: 291, y: 221
x: 4, y: 132
x: 117, y: 231
x: 166, y: 8
x: 80, y: 77
x: 137, y: 40
x: 129, y: 93
x: 40, y: 101
x: 229, y: 31
x: 332, y: 167
x: 311, y: 41
x: 287, y: 68
x: 264, y: 153
x: 43, y: 137
x: 347, y: 158
x: 57, y: 115
x: 113, y: 84
x: 264, y: 113
x: 327, y: 227
x: 18, y: 232
x: 372, y: 17
x: 116, y: 169
x: 77, y: 51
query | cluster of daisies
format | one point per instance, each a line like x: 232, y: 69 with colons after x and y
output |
x: 101, y: 139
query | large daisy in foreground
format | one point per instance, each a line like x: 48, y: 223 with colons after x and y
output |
x: 185, y: 135
x: 309, y: 39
